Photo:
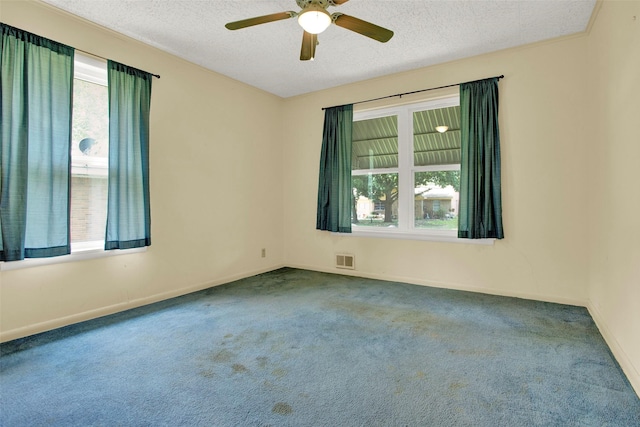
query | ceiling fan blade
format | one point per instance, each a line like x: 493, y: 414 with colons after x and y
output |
x: 309, y: 43
x: 260, y: 20
x: 338, y: 2
x: 363, y: 27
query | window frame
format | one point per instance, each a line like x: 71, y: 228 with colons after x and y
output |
x: 406, y: 174
x: 94, y: 70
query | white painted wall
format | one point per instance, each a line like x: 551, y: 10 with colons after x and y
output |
x: 543, y: 132
x: 215, y: 162
x: 614, y: 177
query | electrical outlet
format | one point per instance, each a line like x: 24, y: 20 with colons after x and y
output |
x: 264, y: 253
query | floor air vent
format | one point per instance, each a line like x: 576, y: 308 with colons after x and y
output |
x: 345, y: 261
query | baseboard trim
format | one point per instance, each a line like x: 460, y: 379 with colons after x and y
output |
x: 624, y: 361
x: 116, y: 308
x: 48, y: 325
x: 620, y: 355
x: 446, y: 285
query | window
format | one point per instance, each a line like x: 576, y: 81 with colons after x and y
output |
x: 61, y: 194
x: 405, y: 172
x: 89, y: 153
x: 417, y: 167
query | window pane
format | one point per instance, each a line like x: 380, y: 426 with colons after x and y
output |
x: 89, y: 160
x: 436, y: 199
x: 432, y: 146
x: 375, y: 143
x: 375, y: 200
x: 88, y: 208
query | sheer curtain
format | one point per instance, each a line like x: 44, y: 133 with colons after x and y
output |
x: 480, y: 189
x: 334, y: 187
x: 128, y: 209
x: 36, y: 91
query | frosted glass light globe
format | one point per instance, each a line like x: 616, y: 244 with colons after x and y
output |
x: 314, y: 19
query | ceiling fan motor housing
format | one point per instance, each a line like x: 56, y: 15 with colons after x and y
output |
x: 303, y: 4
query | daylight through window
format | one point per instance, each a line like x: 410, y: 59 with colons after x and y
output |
x: 89, y: 153
x: 406, y: 169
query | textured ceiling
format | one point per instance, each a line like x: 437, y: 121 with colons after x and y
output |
x: 427, y: 32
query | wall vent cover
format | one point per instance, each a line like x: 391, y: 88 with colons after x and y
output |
x: 345, y: 261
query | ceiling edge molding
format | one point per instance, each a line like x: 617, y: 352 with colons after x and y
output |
x: 594, y: 16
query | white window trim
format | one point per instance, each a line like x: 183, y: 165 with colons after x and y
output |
x: 90, y: 68
x: 406, y: 173
x: 447, y: 236
x: 77, y: 254
x: 90, y: 166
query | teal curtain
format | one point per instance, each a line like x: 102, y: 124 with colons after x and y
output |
x: 334, y: 187
x: 36, y: 90
x: 128, y: 209
x: 480, y: 194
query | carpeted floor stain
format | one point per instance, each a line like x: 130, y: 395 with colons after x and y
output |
x: 239, y: 367
x: 403, y: 317
x: 279, y: 372
x: 221, y: 356
x: 262, y: 361
x: 456, y: 386
x: 473, y: 352
x: 282, y: 408
x: 207, y: 373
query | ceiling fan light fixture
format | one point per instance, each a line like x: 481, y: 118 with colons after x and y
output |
x: 442, y: 129
x: 314, y: 19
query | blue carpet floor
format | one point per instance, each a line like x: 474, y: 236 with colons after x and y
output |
x: 301, y: 348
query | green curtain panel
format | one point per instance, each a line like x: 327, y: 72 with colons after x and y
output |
x: 128, y: 211
x: 334, y: 187
x: 480, y: 214
x: 36, y: 93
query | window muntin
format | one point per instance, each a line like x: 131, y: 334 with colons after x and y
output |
x: 417, y: 185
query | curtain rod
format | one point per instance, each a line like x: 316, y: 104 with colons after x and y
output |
x: 107, y: 59
x: 79, y: 50
x: 416, y: 91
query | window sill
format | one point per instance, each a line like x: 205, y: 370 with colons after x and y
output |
x: 431, y: 236
x: 80, y: 252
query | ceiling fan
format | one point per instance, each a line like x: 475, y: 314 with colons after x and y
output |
x: 314, y: 19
